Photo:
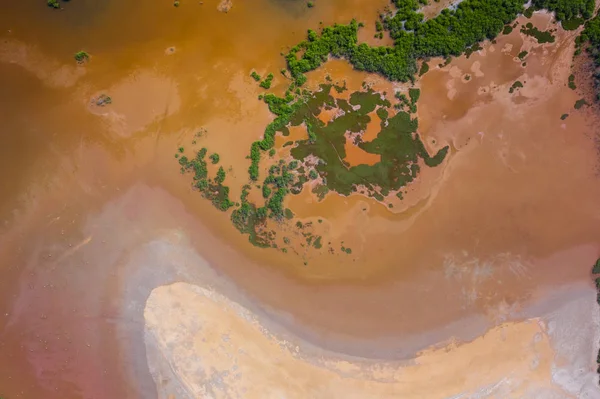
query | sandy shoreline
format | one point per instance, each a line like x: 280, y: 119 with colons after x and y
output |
x: 210, y: 344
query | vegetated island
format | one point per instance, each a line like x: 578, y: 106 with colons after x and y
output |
x: 320, y: 156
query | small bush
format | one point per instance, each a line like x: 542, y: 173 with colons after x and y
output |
x: 596, y: 268
x: 220, y: 175
x: 266, y: 84
x: 81, y: 56
x: 255, y: 76
x: 580, y: 103
x: 214, y: 158
x: 53, y: 4
x: 572, y: 85
x: 515, y: 86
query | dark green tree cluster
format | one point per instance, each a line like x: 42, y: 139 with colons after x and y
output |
x: 283, y: 108
x: 266, y: 84
x: 213, y: 189
x: 450, y: 33
x: 567, y: 9
x: 540, y: 36
x: 276, y: 186
x: 591, y: 38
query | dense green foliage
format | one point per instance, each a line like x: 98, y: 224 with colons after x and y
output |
x: 541, y: 36
x: 450, y: 33
x: 507, y: 30
x: 399, y: 147
x: 214, y: 158
x: 53, y: 4
x: 255, y: 76
x: 266, y: 84
x: 591, y: 37
x: 567, y: 9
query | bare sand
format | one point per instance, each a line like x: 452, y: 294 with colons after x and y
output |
x: 209, y: 346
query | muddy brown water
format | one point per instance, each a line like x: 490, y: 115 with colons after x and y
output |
x: 512, y: 213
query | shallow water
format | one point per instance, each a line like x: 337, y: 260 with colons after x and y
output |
x: 513, y: 212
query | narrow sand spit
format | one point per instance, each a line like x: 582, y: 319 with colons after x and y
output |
x: 199, y: 340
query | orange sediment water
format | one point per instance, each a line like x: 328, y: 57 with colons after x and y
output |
x: 513, y: 209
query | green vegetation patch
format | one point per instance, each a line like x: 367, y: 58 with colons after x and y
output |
x: 567, y: 9
x: 564, y: 116
x: 572, y: 24
x: 540, y: 36
x: 255, y: 76
x: 572, y: 85
x: 449, y: 33
x: 266, y: 84
x: 591, y: 38
x: 81, y: 56
x: 212, y: 189
x: 596, y: 268
x: 515, y: 86
x: 580, y: 103
x: 398, y: 144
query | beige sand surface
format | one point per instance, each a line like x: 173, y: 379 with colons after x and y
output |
x: 216, y: 348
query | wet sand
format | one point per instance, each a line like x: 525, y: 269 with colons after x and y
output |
x: 96, y: 217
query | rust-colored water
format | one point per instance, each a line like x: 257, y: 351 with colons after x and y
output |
x: 513, y: 209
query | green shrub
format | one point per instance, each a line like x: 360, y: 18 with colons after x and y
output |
x: 220, y: 175
x: 516, y: 85
x: 214, y: 158
x: 596, y: 268
x: 255, y: 76
x: 266, y: 84
x: 580, y: 103
x: 266, y: 191
x: 414, y: 95
x: 572, y: 85
x: 53, y: 4
x: 81, y: 56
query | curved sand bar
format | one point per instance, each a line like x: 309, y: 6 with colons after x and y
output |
x: 200, y: 342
